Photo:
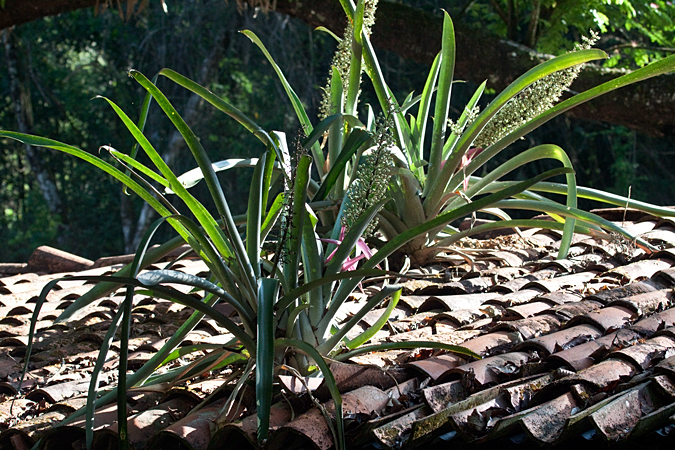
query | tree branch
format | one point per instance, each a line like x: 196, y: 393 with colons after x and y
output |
x: 17, y: 12
x: 416, y: 35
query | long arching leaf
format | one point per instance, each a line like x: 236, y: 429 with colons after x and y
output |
x: 534, y: 154
x: 418, y: 132
x: 605, y: 197
x: 347, y: 286
x: 254, y: 215
x: 654, y: 69
x: 210, y: 178
x: 200, y: 212
x: 442, y: 101
x: 328, y: 345
x: 193, y: 177
x: 356, y: 138
x: 330, y: 382
x: 219, y: 103
x: 410, y: 345
x: 572, y: 212
x: 264, y: 372
x: 377, y: 326
x: 293, y: 97
x: 546, y: 68
x: 125, y: 332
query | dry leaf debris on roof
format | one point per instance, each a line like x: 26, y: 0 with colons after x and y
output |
x: 573, y: 351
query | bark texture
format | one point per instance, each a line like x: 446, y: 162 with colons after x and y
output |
x: 19, y: 92
x: 17, y: 12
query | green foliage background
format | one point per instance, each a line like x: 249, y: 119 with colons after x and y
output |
x: 67, y: 60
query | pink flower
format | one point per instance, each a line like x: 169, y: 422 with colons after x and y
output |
x: 362, y: 251
x: 467, y: 157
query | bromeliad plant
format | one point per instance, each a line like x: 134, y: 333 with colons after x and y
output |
x: 280, y: 301
x: 434, y: 158
x: 289, y: 299
x: 426, y: 190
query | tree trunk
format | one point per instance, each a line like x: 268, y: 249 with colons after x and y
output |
x: 21, y: 99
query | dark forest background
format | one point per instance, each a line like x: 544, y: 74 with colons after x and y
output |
x: 52, y: 68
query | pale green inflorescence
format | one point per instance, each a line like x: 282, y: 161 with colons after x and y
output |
x: 537, y: 98
x: 457, y: 128
x: 373, y: 177
x: 342, y: 57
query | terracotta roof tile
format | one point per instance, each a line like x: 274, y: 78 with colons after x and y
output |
x: 569, y: 346
x: 609, y: 317
x: 562, y: 340
x: 489, y: 370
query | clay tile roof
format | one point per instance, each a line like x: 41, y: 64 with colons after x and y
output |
x: 575, y: 352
